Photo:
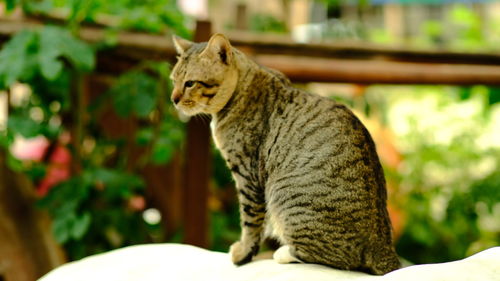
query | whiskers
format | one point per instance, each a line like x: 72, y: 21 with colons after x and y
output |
x: 193, y: 109
x: 204, y: 117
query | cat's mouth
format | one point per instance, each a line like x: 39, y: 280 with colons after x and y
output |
x: 191, y: 107
x: 188, y: 103
x: 202, y: 103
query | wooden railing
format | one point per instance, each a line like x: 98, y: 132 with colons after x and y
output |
x: 320, y: 62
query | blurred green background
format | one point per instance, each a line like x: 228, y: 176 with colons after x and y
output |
x: 440, y: 145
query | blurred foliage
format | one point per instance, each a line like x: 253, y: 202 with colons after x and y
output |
x: 449, y: 181
x: 266, y: 23
x: 100, y: 206
x: 90, y: 214
x: 148, y: 15
x: 449, y: 185
x: 41, y: 52
x: 461, y: 28
x: 341, y: 2
x: 341, y: 29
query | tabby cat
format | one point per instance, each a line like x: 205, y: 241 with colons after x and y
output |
x: 305, y: 167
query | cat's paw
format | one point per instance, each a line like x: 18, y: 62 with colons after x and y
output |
x: 240, y: 253
x: 284, y: 255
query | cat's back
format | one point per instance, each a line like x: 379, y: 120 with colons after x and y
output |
x: 311, y: 132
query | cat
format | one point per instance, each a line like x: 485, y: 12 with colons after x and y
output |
x: 306, y: 169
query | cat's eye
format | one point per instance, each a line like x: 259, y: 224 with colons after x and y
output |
x: 206, y: 85
x: 189, y: 84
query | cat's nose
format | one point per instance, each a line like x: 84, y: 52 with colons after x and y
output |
x: 176, y: 97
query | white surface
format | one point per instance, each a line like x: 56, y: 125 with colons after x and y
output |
x: 174, y: 262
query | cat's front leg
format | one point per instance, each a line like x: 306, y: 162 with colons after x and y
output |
x: 252, y: 214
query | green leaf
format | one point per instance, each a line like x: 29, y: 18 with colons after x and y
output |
x: 65, y: 198
x: 11, y: 5
x: 135, y: 92
x: 121, y: 101
x: 117, y: 184
x: 144, y: 136
x: 14, y: 164
x: 55, y: 42
x: 6, y: 139
x: 61, y: 228
x: 49, y: 53
x: 38, y: 7
x: 494, y: 95
x: 50, y: 68
x: 79, y: 53
x: 80, y: 226
x: 162, y: 153
x: 144, y: 104
x: 25, y: 126
x: 66, y: 207
x: 170, y: 137
x: 15, y: 57
x: 37, y: 171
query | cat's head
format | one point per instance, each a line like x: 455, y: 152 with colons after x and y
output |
x: 205, y: 75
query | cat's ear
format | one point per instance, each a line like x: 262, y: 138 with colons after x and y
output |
x: 181, y: 45
x: 218, y: 47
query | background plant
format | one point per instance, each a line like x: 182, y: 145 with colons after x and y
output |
x: 99, y: 207
x: 448, y: 180
x: 149, y: 15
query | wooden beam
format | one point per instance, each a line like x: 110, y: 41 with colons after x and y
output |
x: 133, y: 45
x: 197, y: 170
x: 340, y: 61
x: 283, y: 45
x: 142, y: 45
x: 307, y: 69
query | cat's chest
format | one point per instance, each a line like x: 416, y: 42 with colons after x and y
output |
x: 232, y: 137
x: 213, y: 126
x: 222, y: 140
x: 239, y: 145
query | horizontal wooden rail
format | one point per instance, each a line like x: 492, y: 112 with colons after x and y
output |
x: 283, y: 45
x: 304, y: 69
x: 334, y: 62
x: 132, y: 45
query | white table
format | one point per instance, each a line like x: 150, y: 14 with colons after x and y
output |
x: 174, y: 262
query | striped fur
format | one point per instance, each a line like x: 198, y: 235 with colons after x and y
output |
x: 305, y: 167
